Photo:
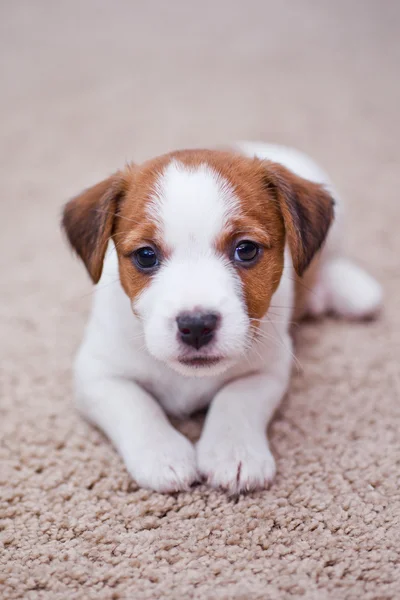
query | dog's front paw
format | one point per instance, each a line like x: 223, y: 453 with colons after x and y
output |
x: 164, y: 465
x: 235, y: 465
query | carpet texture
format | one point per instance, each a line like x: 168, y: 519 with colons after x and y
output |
x: 88, y: 85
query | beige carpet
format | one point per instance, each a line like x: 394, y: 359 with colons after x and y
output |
x: 86, y: 84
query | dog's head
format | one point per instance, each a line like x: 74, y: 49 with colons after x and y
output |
x: 200, y: 239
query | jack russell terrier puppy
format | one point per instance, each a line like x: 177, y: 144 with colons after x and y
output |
x: 211, y: 254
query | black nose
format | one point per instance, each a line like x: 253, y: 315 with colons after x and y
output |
x: 197, y: 329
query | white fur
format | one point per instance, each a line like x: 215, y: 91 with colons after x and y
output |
x: 191, y: 207
x: 127, y: 369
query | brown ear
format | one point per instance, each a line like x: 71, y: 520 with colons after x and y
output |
x: 307, y: 210
x: 88, y: 222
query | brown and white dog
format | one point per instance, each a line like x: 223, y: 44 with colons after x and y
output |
x: 196, y: 254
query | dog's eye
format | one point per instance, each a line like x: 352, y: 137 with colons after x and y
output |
x: 246, y: 251
x: 145, y: 258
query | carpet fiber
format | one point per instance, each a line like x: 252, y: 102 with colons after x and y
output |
x: 88, y: 85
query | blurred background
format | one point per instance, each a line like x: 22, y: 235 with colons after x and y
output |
x: 88, y: 84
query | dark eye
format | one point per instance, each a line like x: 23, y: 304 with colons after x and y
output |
x: 145, y: 258
x: 246, y: 251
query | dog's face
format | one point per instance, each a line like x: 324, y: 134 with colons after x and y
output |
x: 200, y: 238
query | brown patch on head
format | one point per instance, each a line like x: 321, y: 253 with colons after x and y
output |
x: 274, y: 203
x: 116, y: 209
x: 134, y: 229
x: 260, y: 221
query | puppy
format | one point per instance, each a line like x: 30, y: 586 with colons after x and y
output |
x: 196, y: 255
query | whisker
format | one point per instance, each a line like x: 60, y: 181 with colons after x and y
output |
x: 281, y: 307
x: 137, y: 336
x: 298, y: 364
x: 258, y: 354
x: 246, y: 356
x: 142, y: 347
x: 264, y: 337
x: 306, y: 287
x: 296, y: 360
x: 276, y: 321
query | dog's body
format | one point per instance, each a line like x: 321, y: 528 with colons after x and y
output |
x: 131, y: 366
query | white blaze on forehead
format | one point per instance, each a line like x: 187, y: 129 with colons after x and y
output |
x: 191, y: 205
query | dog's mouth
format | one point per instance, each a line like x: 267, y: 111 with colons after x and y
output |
x: 201, y: 361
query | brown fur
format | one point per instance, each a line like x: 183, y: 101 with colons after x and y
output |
x: 307, y: 210
x: 88, y: 222
x: 275, y: 205
x: 134, y: 230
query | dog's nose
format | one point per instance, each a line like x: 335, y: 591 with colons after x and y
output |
x: 197, y: 329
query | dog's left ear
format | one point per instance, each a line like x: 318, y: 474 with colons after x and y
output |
x: 88, y: 221
x: 307, y: 210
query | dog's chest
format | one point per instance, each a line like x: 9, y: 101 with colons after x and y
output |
x: 180, y: 395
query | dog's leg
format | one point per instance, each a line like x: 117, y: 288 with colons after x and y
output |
x: 233, y: 451
x: 156, y: 455
x: 344, y: 289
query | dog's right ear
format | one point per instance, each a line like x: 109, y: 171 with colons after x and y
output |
x: 88, y: 221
